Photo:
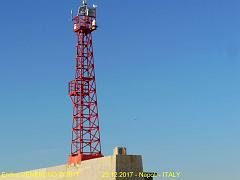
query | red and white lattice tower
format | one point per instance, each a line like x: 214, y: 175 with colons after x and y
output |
x: 85, y: 142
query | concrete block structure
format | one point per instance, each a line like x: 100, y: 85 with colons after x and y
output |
x: 119, y: 166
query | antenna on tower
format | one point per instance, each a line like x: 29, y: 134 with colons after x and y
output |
x: 84, y: 2
x: 71, y: 14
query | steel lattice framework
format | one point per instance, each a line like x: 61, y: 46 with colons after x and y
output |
x: 82, y: 91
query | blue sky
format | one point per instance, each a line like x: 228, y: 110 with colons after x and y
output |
x: 167, y: 82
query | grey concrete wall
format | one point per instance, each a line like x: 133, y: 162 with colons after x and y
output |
x: 129, y: 166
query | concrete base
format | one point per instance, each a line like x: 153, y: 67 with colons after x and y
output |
x: 118, y: 166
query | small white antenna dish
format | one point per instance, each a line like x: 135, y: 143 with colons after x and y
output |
x: 95, y: 6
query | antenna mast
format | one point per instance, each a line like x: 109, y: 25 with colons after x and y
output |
x: 85, y: 142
